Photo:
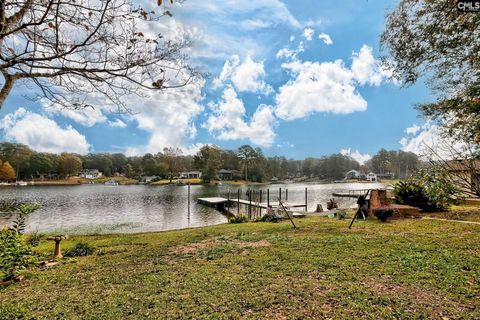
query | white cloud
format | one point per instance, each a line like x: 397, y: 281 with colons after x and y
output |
x: 42, y: 134
x: 246, y: 77
x: 229, y: 23
x: 368, y: 70
x: 308, y: 33
x: 326, y: 86
x: 413, y: 129
x: 318, y: 87
x: 117, y: 124
x: 424, y: 138
x: 431, y: 141
x: 228, y: 121
x: 326, y: 38
x: 356, y: 155
x: 168, y: 117
x: 290, y: 54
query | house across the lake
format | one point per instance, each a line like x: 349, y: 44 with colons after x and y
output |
x: 90, y: 174
x: 191, y: 174
x: 224, y: 174
x: 353, y: 174
x: 372, y: 177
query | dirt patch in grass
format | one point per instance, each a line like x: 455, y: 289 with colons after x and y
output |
x: 195, y: 247
x: 428, y: 298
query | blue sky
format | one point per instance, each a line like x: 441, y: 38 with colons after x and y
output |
x: 297, y: 78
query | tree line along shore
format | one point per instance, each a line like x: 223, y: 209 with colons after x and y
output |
x: 19, y: 162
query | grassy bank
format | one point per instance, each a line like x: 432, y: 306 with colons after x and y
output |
x: 402, y: 269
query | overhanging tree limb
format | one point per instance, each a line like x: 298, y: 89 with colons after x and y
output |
x: 83, y: 47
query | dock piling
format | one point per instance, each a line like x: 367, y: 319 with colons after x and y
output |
x: 188, y: 201
x: 306, y: 200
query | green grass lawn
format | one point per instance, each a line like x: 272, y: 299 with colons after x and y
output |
x: 410, y: 269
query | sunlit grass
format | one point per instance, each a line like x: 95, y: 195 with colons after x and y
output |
x: 406, y: 269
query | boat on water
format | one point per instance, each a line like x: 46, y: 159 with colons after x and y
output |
x: 111, y: 182
x: 21, y: 183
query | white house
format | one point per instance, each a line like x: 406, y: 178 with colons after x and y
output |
x: 352, y: 174
x: 372, y: 177
x: 90, y: 174
x: 191, y: 175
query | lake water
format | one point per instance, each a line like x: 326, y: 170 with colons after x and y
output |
x: 87, y: 209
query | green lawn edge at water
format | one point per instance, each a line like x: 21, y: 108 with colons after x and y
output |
x: 407, y: 269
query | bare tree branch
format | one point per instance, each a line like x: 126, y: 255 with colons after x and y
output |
x: 72, y: 49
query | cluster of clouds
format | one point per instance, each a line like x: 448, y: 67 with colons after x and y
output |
x: 42, y: 133
x: 430, y: 140
x: 170, y: 117
x: 228, y: 120
x: 356, y: 155
x: 313, y: 87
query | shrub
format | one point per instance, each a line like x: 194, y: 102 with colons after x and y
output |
x: 81, y: 249
x: 383, y: 214
x: 239, y: 219
x: 24, y: 210
x: 15, y: 253
x: 429, y: 190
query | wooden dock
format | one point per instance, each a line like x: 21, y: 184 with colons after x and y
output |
x: 217, y: 203
x: 351, y: 193
x: 222, y: 203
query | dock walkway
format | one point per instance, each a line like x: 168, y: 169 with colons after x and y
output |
x: 222, y: 203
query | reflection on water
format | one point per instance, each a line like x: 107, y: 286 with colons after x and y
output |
x: 138, y: 208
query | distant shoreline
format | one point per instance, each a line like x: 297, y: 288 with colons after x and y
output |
x: 164, y: 182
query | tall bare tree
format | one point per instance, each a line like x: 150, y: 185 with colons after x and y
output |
x: 73, y: 49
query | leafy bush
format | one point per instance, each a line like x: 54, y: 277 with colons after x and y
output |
x: 383, y: 214
x: 81, y: 249
x: 24, y: 210
x: 429, y: 190
x: 239, y: 219
x: 15, y: 253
